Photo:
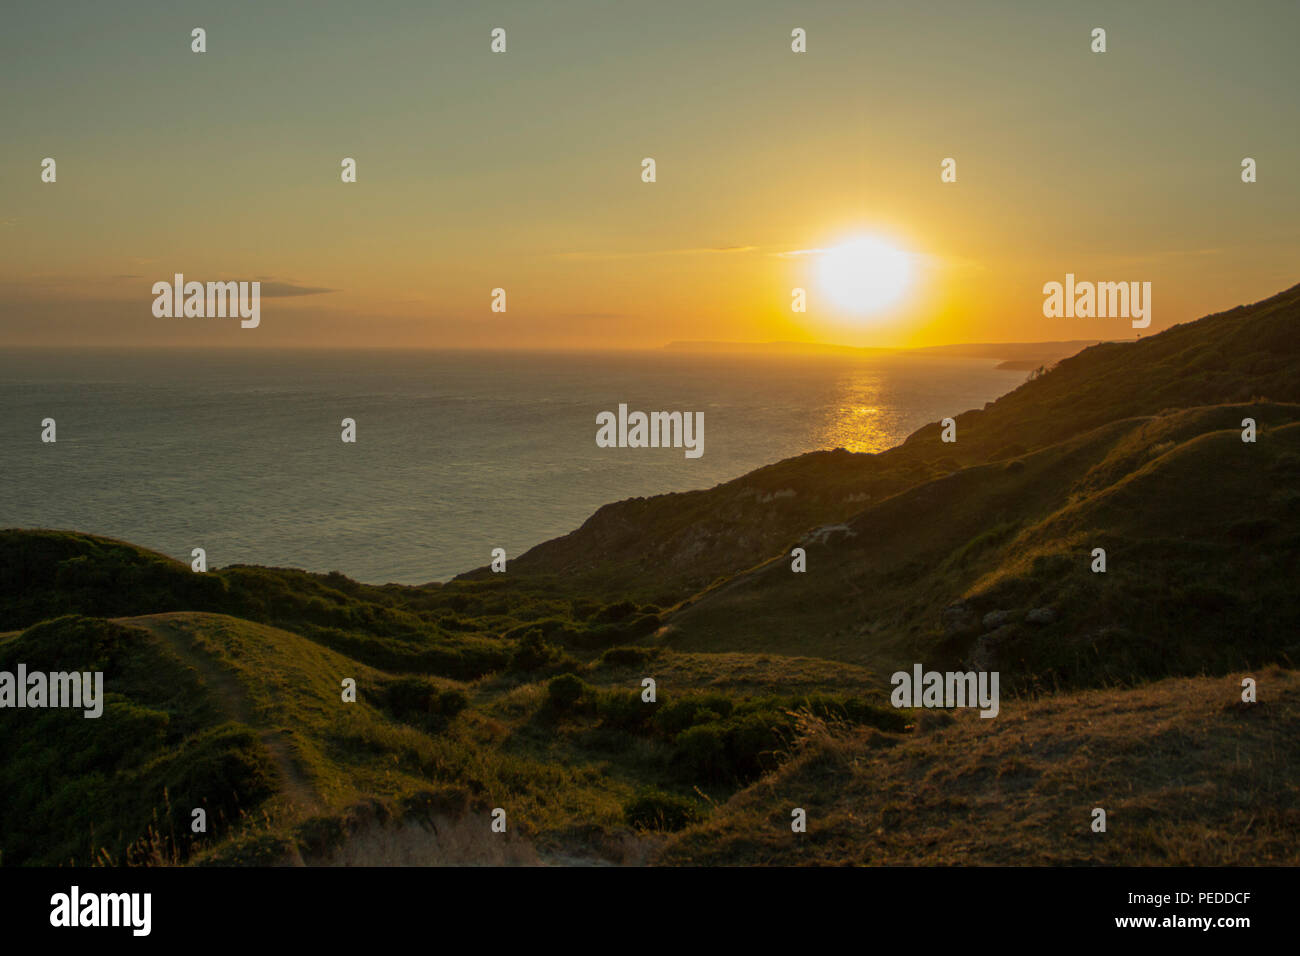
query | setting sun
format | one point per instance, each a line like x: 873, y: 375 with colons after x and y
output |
x: 864, y: 274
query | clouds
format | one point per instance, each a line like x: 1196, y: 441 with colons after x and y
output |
x: 74, y: 287
x: 695, y: 251
x: 286, y: 290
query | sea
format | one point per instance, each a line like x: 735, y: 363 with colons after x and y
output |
x: 240, y: 452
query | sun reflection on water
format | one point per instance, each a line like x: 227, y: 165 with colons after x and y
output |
x: 861, y: 419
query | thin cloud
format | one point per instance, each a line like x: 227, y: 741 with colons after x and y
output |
x: 285, y: 290
x: 919, y: 258
x: 1164, y: 255
x: 698, y: 251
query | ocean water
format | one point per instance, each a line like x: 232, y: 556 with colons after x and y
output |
x: 239, y: 452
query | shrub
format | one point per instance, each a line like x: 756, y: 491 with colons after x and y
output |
x: 418, y: 701
x: 656, y: 810
x: 675, y: 717
x: 551, y: 629
x: 754, y: 741
x: 625, y: 710
x: 565, y: 691
x: 612, y: 613
x: 628, y: 656
x: 533, y: 653
x: 702, y: 753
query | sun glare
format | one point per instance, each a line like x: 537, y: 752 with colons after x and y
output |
x: 864, y: 275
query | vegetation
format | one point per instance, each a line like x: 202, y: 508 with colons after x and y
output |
x: 768, y: 690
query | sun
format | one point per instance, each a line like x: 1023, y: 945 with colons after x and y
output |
x: 863, y: 275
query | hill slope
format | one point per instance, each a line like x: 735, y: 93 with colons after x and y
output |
x: 1187, y: 775
x: 666, y: 547
x: 524, y: 691
x: 1202, y: 538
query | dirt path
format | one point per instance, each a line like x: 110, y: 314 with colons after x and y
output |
x: 298, y: 790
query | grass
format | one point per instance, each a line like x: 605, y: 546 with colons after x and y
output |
x: 524, y: 691
x: 247, y: 721
x: 1181, y: 594
x: 1187, y: 774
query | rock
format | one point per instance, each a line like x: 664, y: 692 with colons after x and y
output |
x: 984, y: 655
x: 995, y: 619
x: 1041, y: 615
x: 958, y: 617
x: 827, y: 533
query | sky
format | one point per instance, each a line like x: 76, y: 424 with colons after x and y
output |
x: 523, y: 170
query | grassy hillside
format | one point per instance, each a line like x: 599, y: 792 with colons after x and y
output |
x: 664, y: 548
x: 1202, y: 539
x: 1187, y: 775
x: 247, y: 721
x: 524, y: 691
x: 119, y: 788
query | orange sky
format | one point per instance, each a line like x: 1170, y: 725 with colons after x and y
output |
x: 522, y: 170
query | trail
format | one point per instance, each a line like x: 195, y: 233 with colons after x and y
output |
x: 231, y: 697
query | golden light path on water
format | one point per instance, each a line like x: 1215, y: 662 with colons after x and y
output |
x: 856, y: 421
x: 859, y: 429
x: 874, y: 408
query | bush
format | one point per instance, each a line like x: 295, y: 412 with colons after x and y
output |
x: 675, y: 717
x: 418, y: 701
x: 854, y: 710
x: 628, y: 656
x: 702, y: 752
x: 626, y: 711
x: 657, y: 810
x: 565, y: 691
x: 737, y: 750
x: 612, y: 613
x: 550, y: 629
x: 533, y: 653
x: 754, y: 742
x: 457, y: 658
x: 741, y: 744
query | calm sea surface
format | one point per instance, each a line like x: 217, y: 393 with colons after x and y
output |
x: 457, y: 452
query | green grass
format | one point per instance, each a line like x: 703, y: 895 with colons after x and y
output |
x: 247, y: 721
x: 121, y: 786
x: 1201, y: 544
x: 524, y: 691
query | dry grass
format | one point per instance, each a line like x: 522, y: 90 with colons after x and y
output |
x: 1187, y: 774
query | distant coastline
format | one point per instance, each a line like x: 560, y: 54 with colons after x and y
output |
x: 1013, y: 356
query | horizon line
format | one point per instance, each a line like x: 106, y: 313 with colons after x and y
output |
x: 674, y: 345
